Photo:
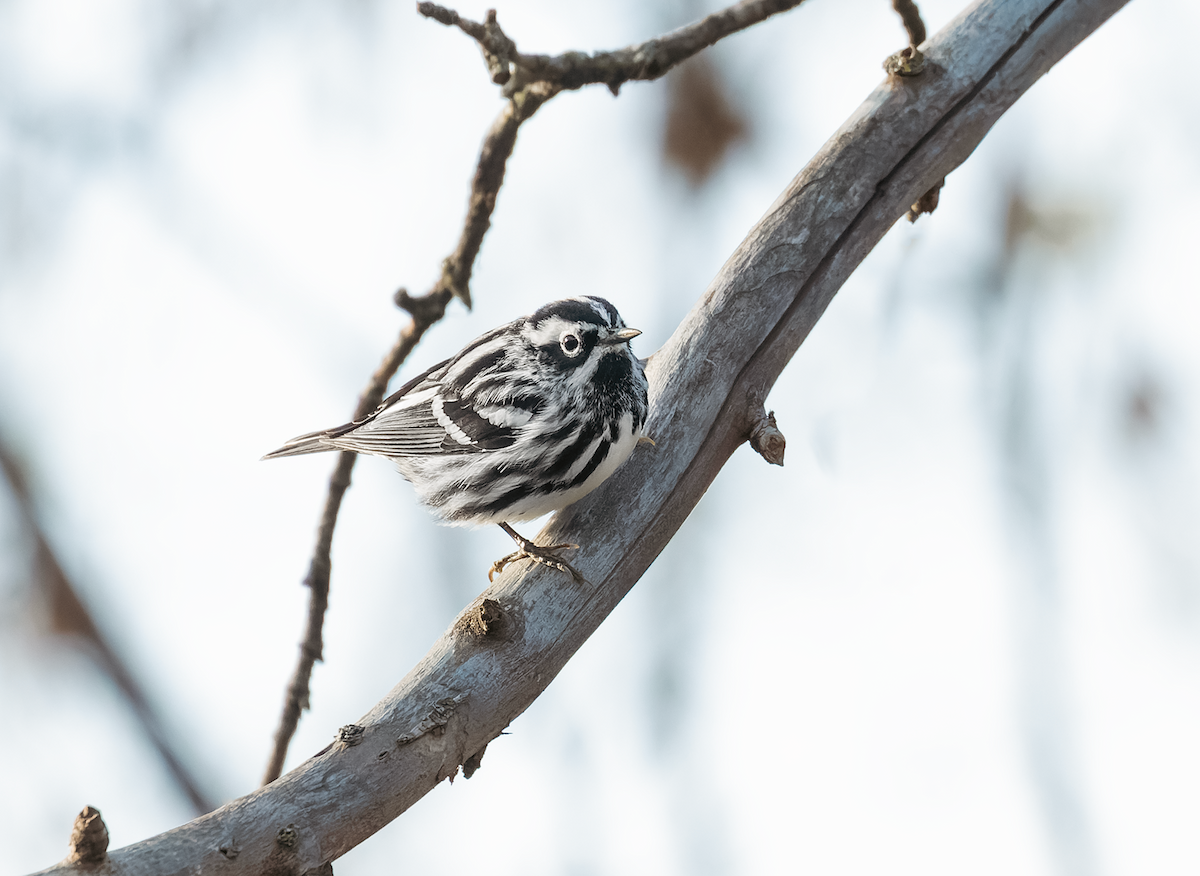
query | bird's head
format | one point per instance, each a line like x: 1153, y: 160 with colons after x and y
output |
x: 575, y: 332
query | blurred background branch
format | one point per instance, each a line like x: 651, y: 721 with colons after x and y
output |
x: 72, y: 623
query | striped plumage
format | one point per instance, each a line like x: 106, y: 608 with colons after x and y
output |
x: 526, y: 419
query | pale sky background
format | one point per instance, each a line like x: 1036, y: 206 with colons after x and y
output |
x: 959, y: 632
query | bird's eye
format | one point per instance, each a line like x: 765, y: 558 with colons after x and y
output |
x: 571, y: 344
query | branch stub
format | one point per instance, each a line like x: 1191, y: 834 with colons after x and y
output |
x: 89, y: 838
x: 767, y: 440
x: 486, y: 619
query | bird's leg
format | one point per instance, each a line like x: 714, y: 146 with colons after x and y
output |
x: 527, y: 550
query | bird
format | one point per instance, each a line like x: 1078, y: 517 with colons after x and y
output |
x: 526, y: 419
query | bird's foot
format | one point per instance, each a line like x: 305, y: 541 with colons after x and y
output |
x: 527, y: 550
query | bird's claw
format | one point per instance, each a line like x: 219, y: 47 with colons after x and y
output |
x: 547, y: 556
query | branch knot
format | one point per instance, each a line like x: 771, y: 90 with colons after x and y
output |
x: 766, y: 438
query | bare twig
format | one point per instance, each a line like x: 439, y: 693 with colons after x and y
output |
x: 911, y: 16
x: 908, y: 61
x: 70, y: 616
x: 489, y: 176
x: 497, y: 48
x: 425, y: 310
x: 749, y: 323
x: 648, y: 60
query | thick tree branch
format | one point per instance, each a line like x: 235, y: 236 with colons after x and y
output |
x: 706, y: 386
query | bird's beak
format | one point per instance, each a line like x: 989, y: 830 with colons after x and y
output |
x: 623, y: 336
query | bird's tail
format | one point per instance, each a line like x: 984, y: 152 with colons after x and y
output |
x: 313, y: 442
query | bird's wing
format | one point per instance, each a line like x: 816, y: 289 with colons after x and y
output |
x: 431, y: 420
x: 405, y: 411
x: 469, y: 403
x: 425, y: 417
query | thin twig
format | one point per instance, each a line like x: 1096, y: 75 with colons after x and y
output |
x: 425, y: 310
x: 648, y: 60
x: 911, y: 16
x: 489, y: 176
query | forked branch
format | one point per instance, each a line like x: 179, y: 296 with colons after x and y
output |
x: 648, y: 60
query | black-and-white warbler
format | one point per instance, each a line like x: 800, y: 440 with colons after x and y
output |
x: 525, y: 420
